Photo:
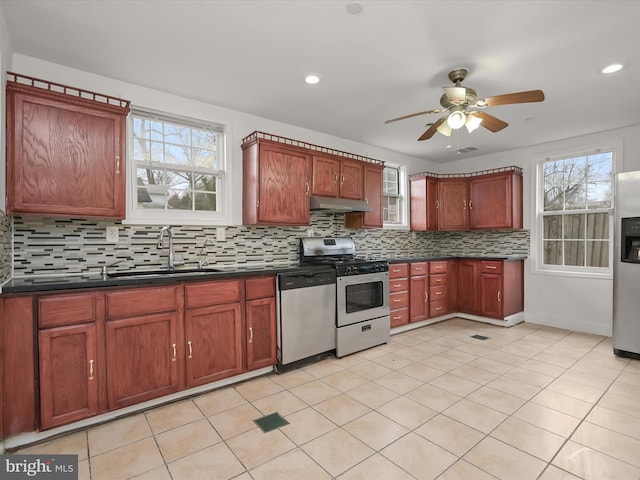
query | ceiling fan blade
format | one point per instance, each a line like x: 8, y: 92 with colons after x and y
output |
x: 490, y: 122
x: 414, y: 115
x: 510, y: 98
x: 432, y: 129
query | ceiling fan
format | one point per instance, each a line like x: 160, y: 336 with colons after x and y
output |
x: 459, y: 102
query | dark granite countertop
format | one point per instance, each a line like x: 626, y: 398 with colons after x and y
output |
x: 41, y: 283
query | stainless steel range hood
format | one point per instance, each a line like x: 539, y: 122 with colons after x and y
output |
x: 338, y: 205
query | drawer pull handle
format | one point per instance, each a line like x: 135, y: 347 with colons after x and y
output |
x: 173, y: 346
x: 91, y: 369
x: 490, y: 267
x: 396, y: 300
x: 438, y: 293
x: 397, y: 317
x: 396, y: 285
x: 438, y: 309
x: 250, y: 334
x: 190, y: 349
x: 396, y: 270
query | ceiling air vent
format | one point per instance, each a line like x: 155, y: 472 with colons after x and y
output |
x: 466, y: 149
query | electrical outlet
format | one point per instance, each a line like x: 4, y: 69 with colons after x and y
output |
x: 310, y: 232
x: 112, y: 235
x: 221, y: 234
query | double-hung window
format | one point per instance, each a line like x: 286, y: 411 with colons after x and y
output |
x: 179, y: 169
x: 394, y: 196
x: 575, y: 201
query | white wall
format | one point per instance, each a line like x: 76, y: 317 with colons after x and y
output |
x: 5, y: 65
x: 241, y: 124
x: 577, y: 303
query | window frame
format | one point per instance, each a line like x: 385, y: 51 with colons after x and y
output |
x: 148, y: 216
x: 403, y: 189
x: 538, y: 265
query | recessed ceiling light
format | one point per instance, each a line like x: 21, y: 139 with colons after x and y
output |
x: 614, y: 67
x: 354, y: 8
x: 312, y: 79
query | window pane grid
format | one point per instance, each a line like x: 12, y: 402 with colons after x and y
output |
x: 177, y: 165
x: 576, y: 202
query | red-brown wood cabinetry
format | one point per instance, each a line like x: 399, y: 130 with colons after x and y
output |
x: 399, y: 294
x: 495, y: 201
x: 373, y: 197
x: 276, y: 184
x: 453, y: 213
x: 468, y: 286
x: 65, y: 153
x: 418, y: 291
x: 423, y: 203
x: 501, y: 288
x: 337, y: 177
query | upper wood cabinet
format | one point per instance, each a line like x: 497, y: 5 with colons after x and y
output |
x: 65, y: 152
x: 491, y: 200
x: 453, y: 213
x: 276, y: 184
x: 423, y: 203
x: 337, y: 177
x: 373, y: 196
x: 495, y: 201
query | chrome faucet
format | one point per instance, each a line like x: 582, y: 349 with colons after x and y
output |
x: 169, y: 233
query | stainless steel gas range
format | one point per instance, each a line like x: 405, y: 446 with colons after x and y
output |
x: 362, y: 292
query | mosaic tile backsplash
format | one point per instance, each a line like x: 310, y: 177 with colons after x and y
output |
x: 46, y: 246
x: 5, y: 247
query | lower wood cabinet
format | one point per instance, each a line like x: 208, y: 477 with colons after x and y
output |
x: 399, y: 294
x: 68, y: 374
x: 468, y: 286
x: 213, y: 337
x: 418, y: 291
x: 142, y: 358
x: 100, y: 350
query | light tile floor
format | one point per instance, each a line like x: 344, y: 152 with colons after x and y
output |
x: 529, y: 402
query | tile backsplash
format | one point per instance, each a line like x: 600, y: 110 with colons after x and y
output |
x: 47, y: 246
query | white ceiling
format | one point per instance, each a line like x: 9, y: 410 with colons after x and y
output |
x: 390, y: 60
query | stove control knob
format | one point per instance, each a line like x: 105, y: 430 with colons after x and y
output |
x: 348, y: 270
x: 355, y: 269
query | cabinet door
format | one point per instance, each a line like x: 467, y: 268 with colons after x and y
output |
x: 418, y: 299
x: 213, y: 337
x: 423, y: 203
x: 373, y: 197
x: 261, y: 333
x: 351, y: 179
x: 491, y: 295
x: 495, y: 201
x: 452, y: 284
x: 452, y: 202
x: 63, y: 158
x: 142, y: 358
x: 325, y: 177
x: 285, y: 176
x: 468, y: 286
x: 68, y: 380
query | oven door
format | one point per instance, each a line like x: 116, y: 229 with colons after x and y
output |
x: 362, y: 297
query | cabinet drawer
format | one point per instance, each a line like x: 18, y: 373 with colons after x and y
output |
x: 440, y: 279
x: 398, y: 285
x: 437, y: 293
x: 212, y: 293
x: 59, y: 310
x: 140, y: 301
x: 419, y: 268
x: 399, y: 317
x: 439, y: 266
x: 490, y: 266
x: 398, y: 270
x: 437, y: 308
x: 261, y: 287
x: 399, y: 300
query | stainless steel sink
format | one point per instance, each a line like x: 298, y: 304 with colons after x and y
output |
x: 163, y: 272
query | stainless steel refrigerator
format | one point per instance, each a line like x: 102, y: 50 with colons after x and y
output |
x: 626, y: 265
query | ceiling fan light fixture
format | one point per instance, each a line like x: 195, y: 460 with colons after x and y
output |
x: 456, y: 95
x: 456, y: 119
x: 472, y: 123
x: 444, y: 129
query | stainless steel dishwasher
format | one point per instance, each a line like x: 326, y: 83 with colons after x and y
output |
x: 306, y: 316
